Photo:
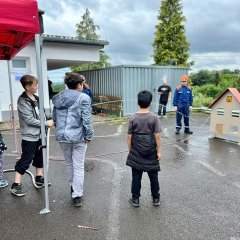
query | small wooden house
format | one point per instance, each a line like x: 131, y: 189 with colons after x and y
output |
x: 225, y: 116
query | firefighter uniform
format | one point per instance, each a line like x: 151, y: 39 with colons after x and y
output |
x: 182, y: 102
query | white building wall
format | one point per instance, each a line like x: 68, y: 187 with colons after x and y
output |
x: 62, y: 53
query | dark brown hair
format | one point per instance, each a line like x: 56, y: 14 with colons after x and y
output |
x: 27, y: 80
x: 73, y: 79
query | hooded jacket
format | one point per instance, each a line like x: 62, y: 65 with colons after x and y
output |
x: 72, y: 114
x: 29, y: 120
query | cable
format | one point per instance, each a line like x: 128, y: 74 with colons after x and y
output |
x: 30, y: 173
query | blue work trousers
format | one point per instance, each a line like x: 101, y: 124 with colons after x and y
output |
x: 183, y: 111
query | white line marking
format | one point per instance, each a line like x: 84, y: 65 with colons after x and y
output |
x: 236, y: 184
x: 119, y: 131
x: 183, y: 150
x: 209, y: 167
x: 114, y: 209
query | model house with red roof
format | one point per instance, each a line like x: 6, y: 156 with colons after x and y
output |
x: 225, y: 116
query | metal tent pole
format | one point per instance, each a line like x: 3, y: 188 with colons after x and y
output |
x: 12, y: 110
x: 38, y: 40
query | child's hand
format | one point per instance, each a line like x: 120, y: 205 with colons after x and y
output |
x: 159, y: 156
x: 50, y: 123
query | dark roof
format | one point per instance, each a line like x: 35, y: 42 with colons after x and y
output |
x: 234, y: 92
x: 73, y: 40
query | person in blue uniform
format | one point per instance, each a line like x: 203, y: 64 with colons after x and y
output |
x: 182, y: 103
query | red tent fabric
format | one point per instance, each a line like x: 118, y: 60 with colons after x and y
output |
x: 19, y: 22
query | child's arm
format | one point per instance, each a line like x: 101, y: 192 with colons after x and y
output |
x: 129, y: 141
x: 158, y: 141
x: 87, y: 118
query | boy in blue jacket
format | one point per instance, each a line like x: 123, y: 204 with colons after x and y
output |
x: 72, y: 114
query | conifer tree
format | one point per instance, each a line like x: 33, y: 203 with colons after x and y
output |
x: 87, y: 29
x: 170, y: 46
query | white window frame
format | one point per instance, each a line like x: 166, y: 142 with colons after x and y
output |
x: 23, y: 69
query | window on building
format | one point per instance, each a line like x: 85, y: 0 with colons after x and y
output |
x: 235, y: 113
x: 21, y: 64
x: 220, y: 111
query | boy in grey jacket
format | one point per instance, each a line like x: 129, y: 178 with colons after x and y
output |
x: 72, y: 116
x: 29, y: 119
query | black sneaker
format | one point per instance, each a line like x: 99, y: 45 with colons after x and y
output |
x: 16, y: 189
x: 134, y: 202
x: 77, y: 201
x: 177, y: 131
x: 156, y: 202
x: 39, y: 180
x: 188, y: 131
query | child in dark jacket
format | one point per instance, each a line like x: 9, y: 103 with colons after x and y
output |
x: 144, y: 148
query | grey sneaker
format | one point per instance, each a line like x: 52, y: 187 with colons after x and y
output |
x: 156, y: 202
x: 3, y: 183
x: 16, y: 189
x: 134, y: 202
x: 77, y: 201
x: 39, y: 180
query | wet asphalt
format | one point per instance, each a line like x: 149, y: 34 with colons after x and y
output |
x: 199, y: 180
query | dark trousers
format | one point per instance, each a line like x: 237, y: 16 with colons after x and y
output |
x: 136, y: 183
x: 31, y: 152
x: 183, y: 111
x: 162, y: 106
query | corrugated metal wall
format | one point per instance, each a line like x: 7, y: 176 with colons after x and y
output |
x: 126, y: 81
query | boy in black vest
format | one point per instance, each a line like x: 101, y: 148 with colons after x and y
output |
x: 144, y: 148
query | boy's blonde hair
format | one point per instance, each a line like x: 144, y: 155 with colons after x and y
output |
x: 27, y: 80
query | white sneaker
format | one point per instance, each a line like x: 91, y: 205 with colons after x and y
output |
x: 3, y: 183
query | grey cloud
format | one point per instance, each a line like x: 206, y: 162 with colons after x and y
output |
x: 213, y: 25
x: 129, y: 26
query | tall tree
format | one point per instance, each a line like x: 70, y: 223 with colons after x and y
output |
x: 170, y: 46
x: 87, y: 29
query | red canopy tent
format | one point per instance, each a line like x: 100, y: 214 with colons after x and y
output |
x: 19, y: 25
x: 19, y: 22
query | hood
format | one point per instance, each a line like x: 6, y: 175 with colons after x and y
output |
x: 66, y: 98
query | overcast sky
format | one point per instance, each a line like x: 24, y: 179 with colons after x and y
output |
x: 212, y: 28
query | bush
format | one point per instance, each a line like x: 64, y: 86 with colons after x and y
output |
x: 200, y: 100
x: 209, y: 90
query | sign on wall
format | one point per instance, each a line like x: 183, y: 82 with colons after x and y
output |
x: 229, y: 99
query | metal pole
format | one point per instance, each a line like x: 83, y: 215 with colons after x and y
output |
x: 38, y: 40
x: 12, y: 110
